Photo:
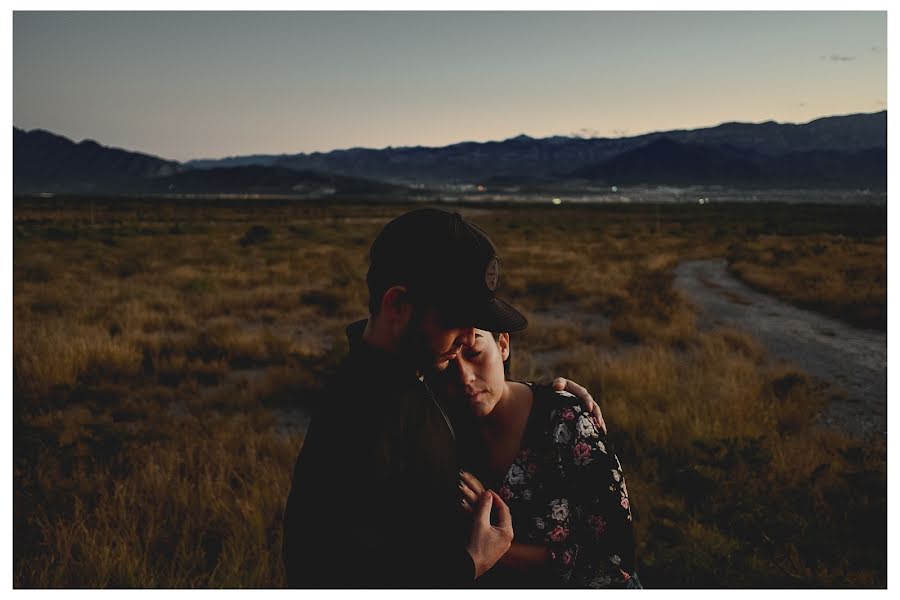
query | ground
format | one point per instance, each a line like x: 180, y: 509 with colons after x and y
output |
x: 165, y: 357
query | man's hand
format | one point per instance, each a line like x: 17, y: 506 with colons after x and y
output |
x: 561, y: 384
x: 488, y: 543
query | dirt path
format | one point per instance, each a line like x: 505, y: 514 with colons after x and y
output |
x: 854, y: 360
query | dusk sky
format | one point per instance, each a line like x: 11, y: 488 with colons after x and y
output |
x: 205, y: 85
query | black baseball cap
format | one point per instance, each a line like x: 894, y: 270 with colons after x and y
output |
x: 447, y: 262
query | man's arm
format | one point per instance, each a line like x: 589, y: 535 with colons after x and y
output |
x: 345, y: 528
x: 526, y: 556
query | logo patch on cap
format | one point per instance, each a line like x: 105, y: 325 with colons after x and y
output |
x: 492, y: 274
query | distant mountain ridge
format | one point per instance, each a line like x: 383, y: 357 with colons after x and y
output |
x: 848, y: 151
x: 46, y: 162
x: 665, y: 161
x: 557, y: 157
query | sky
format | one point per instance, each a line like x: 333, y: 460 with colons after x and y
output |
x: 185, y: 85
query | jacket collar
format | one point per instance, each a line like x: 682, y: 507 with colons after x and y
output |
x: 375, y: 360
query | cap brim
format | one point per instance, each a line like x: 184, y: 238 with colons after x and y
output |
x: 499, y: 317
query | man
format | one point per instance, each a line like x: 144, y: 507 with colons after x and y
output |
x: 374, y: 499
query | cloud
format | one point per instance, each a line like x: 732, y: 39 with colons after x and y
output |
x: 586, y: 132
x: 620, y: 132
x: 837, y: 58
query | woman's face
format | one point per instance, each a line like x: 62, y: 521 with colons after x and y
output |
x: 476, y: 374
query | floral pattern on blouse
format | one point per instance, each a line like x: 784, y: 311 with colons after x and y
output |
x: 566, y: 491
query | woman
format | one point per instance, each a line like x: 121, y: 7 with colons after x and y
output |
x: 552, y: 464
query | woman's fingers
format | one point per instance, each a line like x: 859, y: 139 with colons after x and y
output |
x: 469, y: 496
x: 468, y: 493
x: 471, y: 489
x: 472, y: 482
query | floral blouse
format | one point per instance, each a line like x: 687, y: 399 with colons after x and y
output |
x: 566, y: 491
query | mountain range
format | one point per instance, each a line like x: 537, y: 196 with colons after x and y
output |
x: 847, y: 151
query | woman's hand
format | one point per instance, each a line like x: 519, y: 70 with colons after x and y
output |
x: 471, y: 490
x: 561, y: 384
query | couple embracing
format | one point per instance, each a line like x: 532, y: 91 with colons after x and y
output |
x: 425, y: 466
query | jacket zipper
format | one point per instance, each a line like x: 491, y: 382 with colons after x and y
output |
x: 438, y: 404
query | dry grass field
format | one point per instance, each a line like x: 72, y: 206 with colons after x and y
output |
x: 162, y: 351
x: 840, y: 276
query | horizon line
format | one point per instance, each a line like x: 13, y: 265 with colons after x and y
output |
x: 470, y: 141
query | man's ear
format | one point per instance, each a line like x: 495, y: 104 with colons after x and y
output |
x: 395, y: 305
x: 503, y: 343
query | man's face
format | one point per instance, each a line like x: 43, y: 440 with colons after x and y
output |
x: 431, y: 343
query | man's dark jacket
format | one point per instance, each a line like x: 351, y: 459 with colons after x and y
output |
x: 374, y: 496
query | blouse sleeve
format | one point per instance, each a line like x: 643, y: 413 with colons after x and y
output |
x: 590, y: 525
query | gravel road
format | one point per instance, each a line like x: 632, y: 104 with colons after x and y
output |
x: 853, y: 360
